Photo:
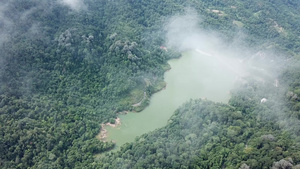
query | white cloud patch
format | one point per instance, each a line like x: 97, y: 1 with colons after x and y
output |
x: 183, y: 33
x: 5, y: 23
x: 76, y: 5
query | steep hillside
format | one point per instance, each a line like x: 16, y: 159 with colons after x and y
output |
x: 68, y: 66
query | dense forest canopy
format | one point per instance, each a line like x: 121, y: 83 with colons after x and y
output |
x: 66, y: 66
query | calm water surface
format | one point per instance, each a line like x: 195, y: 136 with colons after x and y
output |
x: 194, y: 75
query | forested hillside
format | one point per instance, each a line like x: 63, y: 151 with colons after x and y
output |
x: 66, y: 68
x: 202, y: 134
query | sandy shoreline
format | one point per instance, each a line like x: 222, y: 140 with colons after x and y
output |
x: 103, y: 132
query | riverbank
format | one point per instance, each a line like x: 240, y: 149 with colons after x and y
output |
x: 137, y: 107
x: 103, y: 132
x: 145, y: 101
x: 193, y: 76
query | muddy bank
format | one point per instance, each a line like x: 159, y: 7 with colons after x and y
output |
x: 103, y: 132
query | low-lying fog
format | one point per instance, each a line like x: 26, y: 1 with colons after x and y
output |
x: 209, y: 68
x: 184, y: 33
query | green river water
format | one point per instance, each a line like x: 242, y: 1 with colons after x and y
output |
x: 194, y: 75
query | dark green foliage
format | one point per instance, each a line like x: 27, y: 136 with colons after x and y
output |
x: 64, y: 72
x: 60, y: 84
x: 203, y: 134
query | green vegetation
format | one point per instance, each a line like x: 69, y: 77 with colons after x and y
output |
x: 64, y: 72
x: 204, y: 134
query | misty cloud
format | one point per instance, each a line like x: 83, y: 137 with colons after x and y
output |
x: 263, y: 65
x: 183, y: 32
x: 19, y: 21
x: 5, y: 23
x: 76, y: 5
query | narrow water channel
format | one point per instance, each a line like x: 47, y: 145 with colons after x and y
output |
x: 194, y: 75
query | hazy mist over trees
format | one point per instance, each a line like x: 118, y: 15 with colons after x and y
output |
x: 68, y: 66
